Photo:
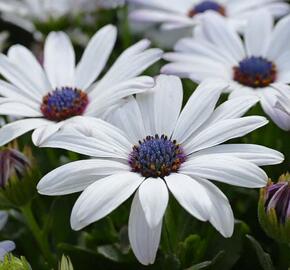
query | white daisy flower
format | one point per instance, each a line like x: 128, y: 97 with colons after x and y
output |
x: 25, y: 13
x: 157, y: 149
x: 47, y: 98
x: 186, y: 13
x: 250, y: 66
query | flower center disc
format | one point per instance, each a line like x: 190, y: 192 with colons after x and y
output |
x: 63, y: 103
x: 255, y: 72
x: 156, y: 156
x: 205, y: 6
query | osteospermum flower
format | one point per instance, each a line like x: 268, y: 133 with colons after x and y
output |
x: 186, y: 13
x: 249, y: 66
x: 157, y: 149
x: 27, y: 13
x: 49, y: 97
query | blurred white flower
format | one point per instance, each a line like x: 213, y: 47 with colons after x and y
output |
x: 48, y: 97
x: 173, y: 14
x: 159, y: 148
x: 25, y: 13
x: 250, y: 66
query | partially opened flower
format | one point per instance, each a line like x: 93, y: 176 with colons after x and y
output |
x: 27, y: 14
x: 186, y: 13
x: 49, y: 97
x: 249, y: 66
x: 156, y: 149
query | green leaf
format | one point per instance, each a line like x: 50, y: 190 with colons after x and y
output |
x: 206, y: 264
x: 264, y: 258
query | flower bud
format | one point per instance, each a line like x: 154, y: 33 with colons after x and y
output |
x: 17, y: 177
x: 274, y: 209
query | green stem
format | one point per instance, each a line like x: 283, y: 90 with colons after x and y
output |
x: 40, y: 237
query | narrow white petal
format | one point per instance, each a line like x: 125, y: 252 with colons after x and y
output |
x: 257, y: 154
x: 8, y: 107
x: 102, y: 197
x: 224, y: 130
x: 15, y: 129
x: 59, y: 60
x: 230, y: 170
x: 144, y: 239
x: 92, y: 137
x: 95, y: 56
x: 153, y: 196
x: 168, y: 94
x: 76, y: 176
x: 30, y: 67
x: 128, y: 118
x: 258, y: 32
x: 198, y: 109
x: 131, y: 63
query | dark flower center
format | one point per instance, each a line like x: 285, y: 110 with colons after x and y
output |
x: 255, y: 72
x: 156, y: 156
x: 63, y: 103
x: 278, y: 197
x: 205, y: 6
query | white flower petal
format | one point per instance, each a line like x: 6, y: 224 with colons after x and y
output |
x: 132, y: 62
x: 279, y: 39
x: 144, y: 239
x: 128, y: 118
x: 92, y: 137
x: 258, y: 32
x: 13, y: 74
x: 233, y: 108
x: 279, y: 117
x: 226, y: 169
x: 153, y: 196
x: 220, y: 212
x: 102, y: 197
x: 30, y: 67
x: 15, y: 129
x: 168, y: 94
x: 222, y: 131
x: 190, y: 194
x: 198, y: 108
x: 223, y: 35
x: 59, y: 60
x: 76, y: 176
x: 257, y: 154
x: 95, y: 56
x: 8, y: 107
x: 101, y: 101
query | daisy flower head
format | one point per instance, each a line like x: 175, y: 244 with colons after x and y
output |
x: 250, y: 66
x: 27, y: 13
x: 173, y: 14
x: 155, y: 148
x: 48, y: 97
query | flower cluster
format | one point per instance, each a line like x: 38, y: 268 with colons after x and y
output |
x: 148, y: 135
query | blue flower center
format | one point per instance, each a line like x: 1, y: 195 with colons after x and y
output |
x: 156, y: 156
x: 255, y: 72
x: 205, y: 6
x: 63, y: 103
